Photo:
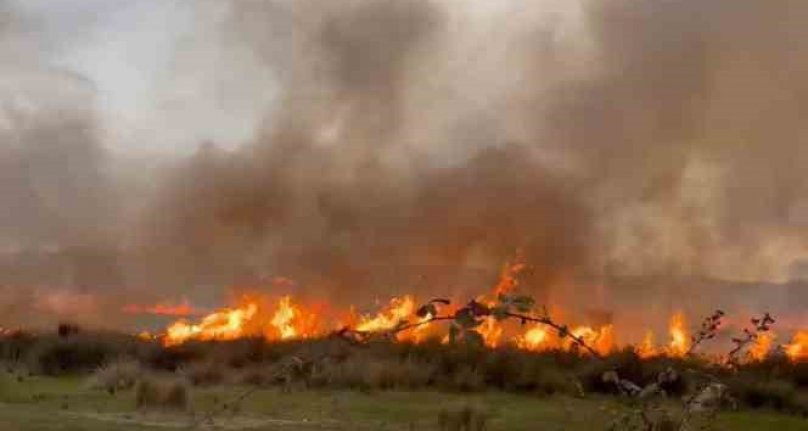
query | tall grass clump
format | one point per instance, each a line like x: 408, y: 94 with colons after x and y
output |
x: 162, y: 393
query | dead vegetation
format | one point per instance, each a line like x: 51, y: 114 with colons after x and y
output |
x: 166, y: 393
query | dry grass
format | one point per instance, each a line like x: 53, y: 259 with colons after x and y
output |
x: 117, y: 375
x: 166, y: 393
x: 205, y: 373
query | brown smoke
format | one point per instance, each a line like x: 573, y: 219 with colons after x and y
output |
x: 416, y: 143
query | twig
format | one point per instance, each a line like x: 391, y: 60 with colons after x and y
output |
x: 562, y: 329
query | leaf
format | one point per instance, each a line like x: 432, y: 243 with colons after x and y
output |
x: 443, y: 301
x: 500, y: 312
x: 478, y: 309
x: 465, y: 319
x: 523, y: 303
x: 473, y: 338
x: 427, y: 310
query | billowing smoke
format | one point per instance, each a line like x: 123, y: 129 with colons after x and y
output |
x: 420, y: 144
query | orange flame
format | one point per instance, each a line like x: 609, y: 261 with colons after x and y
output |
x: 227, y: 324
x: 289, y: 321
x: 285, y: 319
x: 491, y: 331
x: 508, y: 276
x: 680, y: 342
x: 762, y: 346
x: 797, y: 350
x: 647, y: 349
x: 397, y: 311
x: 536, y: 339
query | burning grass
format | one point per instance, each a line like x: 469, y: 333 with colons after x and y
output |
x: 500, y: 317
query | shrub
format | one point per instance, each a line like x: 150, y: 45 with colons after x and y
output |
x: 257, y: 375
x: 204, y: 373
x: 54, y: 356
x: 116, y: 375
x: 466, y: 379
x: 165, y: 394
x: 765, y: 393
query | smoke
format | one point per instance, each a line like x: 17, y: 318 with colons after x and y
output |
x: 420, y: 144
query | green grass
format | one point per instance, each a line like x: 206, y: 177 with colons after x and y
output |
x: 64, y: 403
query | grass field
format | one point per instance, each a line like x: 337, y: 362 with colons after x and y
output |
x: 65, y: 403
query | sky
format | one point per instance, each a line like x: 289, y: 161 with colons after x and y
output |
x: 158, y: 86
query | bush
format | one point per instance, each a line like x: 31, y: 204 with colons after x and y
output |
x: 116, y: 375
x: 165, y: 394
x: 765, y: 393
x: 204, y: 373
x: 55, y: 356
x: 635, y: 369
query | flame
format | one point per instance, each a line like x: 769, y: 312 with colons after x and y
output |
x: 797, y: 350
x: 678, y: 346
x: 647, y: 349
x: 541, y: 338
x: 604, y: 344
x: 397, y: 311
x: 762, y: 346
x: 536, y: 339
x: 291, y: 321
x: 601, y: 339
x: 286, y: 319
x: 680, y: 342
x: 508, y: 276
x: 227, y: 324
x: 491, y: 331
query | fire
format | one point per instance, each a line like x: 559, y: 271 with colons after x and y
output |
x: 284, y: 317
x: 508, y: 276
x: 647, y: 349
x: 762, y: 346
x: 227, y: 324
x: 601, y: 339
x: 678, y: 346
x: 491, y: 331
x: 536, y: 339
x: 604, y: 343
x: 541, y: 338
x: 680, y: 342
x: 797, y: 350
x: 398, y: 310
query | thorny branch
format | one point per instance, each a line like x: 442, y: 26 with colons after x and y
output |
x: 759, y: 326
